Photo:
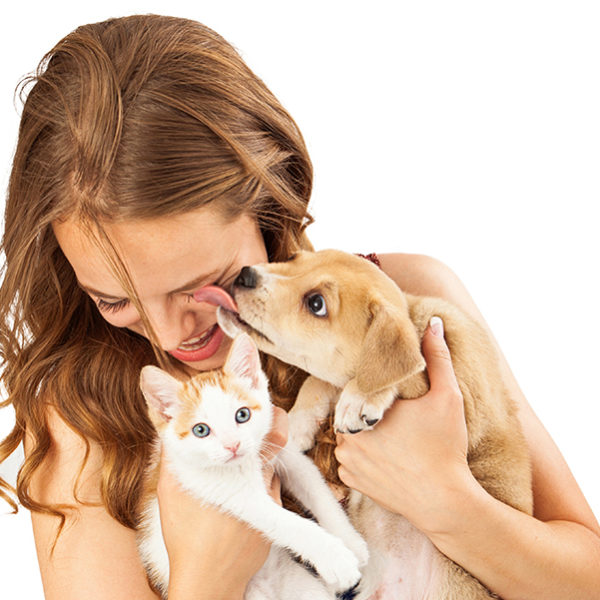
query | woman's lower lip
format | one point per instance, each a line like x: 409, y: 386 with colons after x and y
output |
x: 202, y: 353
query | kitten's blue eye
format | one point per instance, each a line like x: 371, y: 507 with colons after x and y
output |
x: 201, y: 430
x: 243, y: 415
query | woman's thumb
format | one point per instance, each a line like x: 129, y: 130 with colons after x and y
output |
x: 437, y: 356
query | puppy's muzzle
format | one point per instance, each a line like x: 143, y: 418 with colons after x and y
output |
x: 248, y: 278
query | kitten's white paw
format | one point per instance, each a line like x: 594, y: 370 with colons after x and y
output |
x: 353, y: 414
x: 338, y: 566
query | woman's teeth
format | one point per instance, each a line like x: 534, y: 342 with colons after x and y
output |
x: 197, y: 342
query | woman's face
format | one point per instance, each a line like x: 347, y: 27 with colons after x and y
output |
x: 169, y: 258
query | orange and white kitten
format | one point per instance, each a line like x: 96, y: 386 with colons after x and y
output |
x: 211, y: 431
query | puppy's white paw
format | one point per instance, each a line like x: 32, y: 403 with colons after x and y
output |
x: 353, y: 413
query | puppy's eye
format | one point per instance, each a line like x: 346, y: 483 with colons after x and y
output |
x: 201, y: 430
x: 316, y: 305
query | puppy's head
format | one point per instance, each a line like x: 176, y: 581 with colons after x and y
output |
x: 330, y: 313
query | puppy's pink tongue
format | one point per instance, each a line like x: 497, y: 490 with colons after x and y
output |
x: 216, y: 296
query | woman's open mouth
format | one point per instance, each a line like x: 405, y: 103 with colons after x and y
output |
x: 200, y: 347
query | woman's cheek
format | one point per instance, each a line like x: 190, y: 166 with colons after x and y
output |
x: 126, y: 317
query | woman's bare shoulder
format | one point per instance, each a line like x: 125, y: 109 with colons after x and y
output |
x: 424, y: 275
x: 95, y: 556
x: 556, y: 493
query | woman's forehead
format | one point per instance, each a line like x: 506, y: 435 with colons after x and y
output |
x: 161, y: 254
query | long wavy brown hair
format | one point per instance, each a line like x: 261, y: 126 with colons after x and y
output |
x: 136, y: 117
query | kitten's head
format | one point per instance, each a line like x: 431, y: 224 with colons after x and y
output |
x: 216, y: 417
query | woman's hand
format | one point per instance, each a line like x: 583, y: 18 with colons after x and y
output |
x: 213, y: 554
x: 418, y: 452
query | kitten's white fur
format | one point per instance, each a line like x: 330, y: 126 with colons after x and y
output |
x: 213, y: 469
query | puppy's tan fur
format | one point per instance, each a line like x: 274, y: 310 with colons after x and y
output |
x: 364, y: 353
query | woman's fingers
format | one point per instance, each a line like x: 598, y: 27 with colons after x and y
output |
x: 277, y: 437
x: 274, y: 488
x: 413, y: 452
x: 275, y: 440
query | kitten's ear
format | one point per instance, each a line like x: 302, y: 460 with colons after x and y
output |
x: 243, y: 360
x: 160, y: 391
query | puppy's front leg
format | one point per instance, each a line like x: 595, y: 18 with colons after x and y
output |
x: 355, y: 411
x: 313, y: 405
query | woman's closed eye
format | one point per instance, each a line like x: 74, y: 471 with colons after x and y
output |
x: 111, y: 307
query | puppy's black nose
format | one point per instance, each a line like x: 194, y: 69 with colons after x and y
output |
x: 247, y: 278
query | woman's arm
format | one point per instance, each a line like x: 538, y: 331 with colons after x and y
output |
x: 553, y: 555
x: 96, y: 557
x: 556, y: 493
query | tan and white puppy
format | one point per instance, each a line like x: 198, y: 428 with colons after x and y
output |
x: 341, y: 319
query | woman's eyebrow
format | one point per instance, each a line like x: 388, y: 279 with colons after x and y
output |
x: 206, y: 277
x: 94, y: 292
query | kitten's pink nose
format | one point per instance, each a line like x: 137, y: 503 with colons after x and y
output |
x: 233, y: 448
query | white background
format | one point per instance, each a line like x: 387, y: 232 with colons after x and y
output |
x: 469, y: 131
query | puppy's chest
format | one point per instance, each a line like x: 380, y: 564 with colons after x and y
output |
x: 404, y: 564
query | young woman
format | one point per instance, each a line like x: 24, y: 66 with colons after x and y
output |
x: 152, y: 163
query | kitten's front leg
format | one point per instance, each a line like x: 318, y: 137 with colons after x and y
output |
x: 302, y: 478
x: 336, y: 564
x: 356, y: 411
x: 313, y: 405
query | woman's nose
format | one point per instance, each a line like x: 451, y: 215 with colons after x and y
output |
x: 168, y: 333
x: 174, y: 323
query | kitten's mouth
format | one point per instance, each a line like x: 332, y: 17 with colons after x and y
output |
x: 234, y: 457
x: 232, y: 324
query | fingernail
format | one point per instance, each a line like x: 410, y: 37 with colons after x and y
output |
x: 437, y: 326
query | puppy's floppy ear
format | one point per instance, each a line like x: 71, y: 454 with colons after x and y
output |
x: 391, y: 350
